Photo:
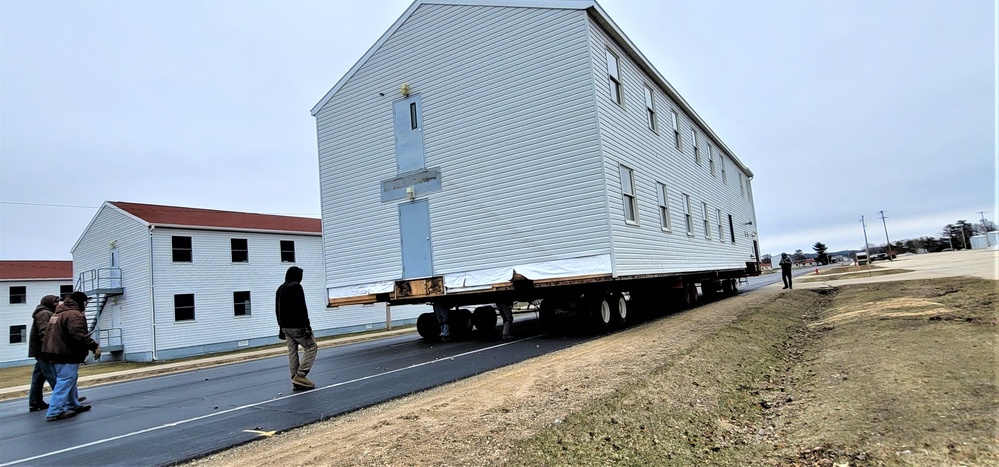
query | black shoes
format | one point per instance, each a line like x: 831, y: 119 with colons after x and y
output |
x: 62, y: 416
x: 36, y: 408
x: 80, y: 408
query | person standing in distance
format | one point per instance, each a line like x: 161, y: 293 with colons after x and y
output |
x: 43, y: 372
x: 294, y: 327
x: 66, y: 345
x: 785, y: 270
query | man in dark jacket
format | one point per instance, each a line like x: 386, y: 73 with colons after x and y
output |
x: 66, y: 345
x: 294, y: 327
x: 785, y: 270
x: 43, y: 372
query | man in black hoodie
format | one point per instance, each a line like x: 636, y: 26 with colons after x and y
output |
x: 294, y: 327
x: 66, y: 345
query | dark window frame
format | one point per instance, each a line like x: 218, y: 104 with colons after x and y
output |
x: 180, y: 251
x: 21, y: 333
x: 242, y: 307
x: 287, y: 254
x: 18, y: 297
x: 180, y: 306
x: 239, y: 255
x: 65, y: 291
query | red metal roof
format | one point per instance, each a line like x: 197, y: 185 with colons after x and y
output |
x: 193, y: 217
x: 23, y: 270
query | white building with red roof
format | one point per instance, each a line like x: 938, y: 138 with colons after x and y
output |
x: 22, y: 285
x: 169, y: 282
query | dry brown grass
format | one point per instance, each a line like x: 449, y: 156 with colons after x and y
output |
x: 900, y: 373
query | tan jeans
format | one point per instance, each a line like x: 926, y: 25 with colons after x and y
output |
x: 295, y: 337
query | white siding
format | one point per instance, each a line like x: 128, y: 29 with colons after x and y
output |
x: 627, y: 139
x: 93, y: 251
x: 508, y: 117
x: 212, y: 277
x: 19, y: 314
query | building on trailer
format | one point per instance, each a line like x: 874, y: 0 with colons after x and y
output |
x: 479, y: 142
x: 24, y: 283
x: 168, y: 282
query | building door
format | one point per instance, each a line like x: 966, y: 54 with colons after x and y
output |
x: 407, y: 116
x: 414, y: 231
x: 114, y: 274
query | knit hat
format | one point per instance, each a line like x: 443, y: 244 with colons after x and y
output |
x: 80, y: 298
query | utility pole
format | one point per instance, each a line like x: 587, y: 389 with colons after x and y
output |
x: 890, y: 254
x: 866, y: 250
x: 985, y: 228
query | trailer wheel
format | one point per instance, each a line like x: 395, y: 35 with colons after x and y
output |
x: 729, y: 287
x: 602, y: 314
x: 460, y: 322
x: 428, y: 327
x: 484, y: 319
x: 620, y: 315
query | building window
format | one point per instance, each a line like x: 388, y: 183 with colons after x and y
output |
x: 19, y: 334
x: 721, y: 228
x: 688, y: 216
x: 241, y: 303
x: 731, y: 228
x: 614, y: 78
x: 18, y: 294
x: 749, y: 191
x: 414, y: 121
x: 707, y: 223
x: 181, y: 249
x: 724, y: 177
x: 650, y: 109
x: 628, y: 195
x: 65, y: 291
x: 240, y: 250
x: 742, y: 186
x: 664, y: 220
x: 183, y: 307
x: 676, y: 130
x: 697, y: 150
x: 287, y: 251
x: 711, y: 160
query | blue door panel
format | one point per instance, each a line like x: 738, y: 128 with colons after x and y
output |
x: 414, y: 230
x: 407, y: 115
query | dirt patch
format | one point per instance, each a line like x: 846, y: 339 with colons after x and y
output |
x: 896, y: 373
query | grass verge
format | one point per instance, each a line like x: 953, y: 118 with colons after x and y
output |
x: 899, y: 373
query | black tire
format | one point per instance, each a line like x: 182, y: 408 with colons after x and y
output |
x: 459, y: 322
x: 427, y: 327
x: 484, y: 319
x: 602, y: 314
x: 619, y: 310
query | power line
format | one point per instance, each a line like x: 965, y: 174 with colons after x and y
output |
x: 48, y: 205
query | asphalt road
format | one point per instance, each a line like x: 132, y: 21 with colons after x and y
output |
x: 169, y: 419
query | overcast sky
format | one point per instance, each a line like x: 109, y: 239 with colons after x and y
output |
x: 840, y: 108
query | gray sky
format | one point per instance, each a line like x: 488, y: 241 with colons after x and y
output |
x: 841, y: 108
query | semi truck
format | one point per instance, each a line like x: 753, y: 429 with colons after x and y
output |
x: 482, y: 153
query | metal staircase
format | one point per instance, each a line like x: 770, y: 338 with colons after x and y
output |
x: 100, y: 285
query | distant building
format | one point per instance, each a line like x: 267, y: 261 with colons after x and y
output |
x: 23, y: 284
x: 169, y: 282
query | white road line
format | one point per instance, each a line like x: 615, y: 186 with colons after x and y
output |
x: 255, y: 404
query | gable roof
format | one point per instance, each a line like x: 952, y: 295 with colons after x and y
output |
x: 35, y: 270
x: 177, y: 216
x: 595, y: 11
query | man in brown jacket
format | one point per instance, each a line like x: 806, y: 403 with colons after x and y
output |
x: 43, y: 371
x: 65, y: 346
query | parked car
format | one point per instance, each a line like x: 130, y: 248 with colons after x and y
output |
x: 879, y: 257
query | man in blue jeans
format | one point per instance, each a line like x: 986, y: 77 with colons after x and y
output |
x: 65, y: 346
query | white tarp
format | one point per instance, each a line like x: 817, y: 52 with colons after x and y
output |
x: 483, y: 278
